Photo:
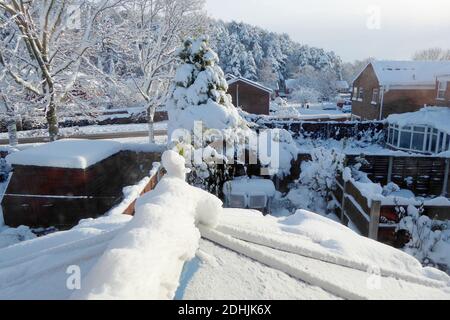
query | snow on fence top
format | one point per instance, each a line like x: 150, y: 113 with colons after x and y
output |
x: 70, y: 153
x: 434, y: 117
x: 146, y: 258
x: 409, y: 72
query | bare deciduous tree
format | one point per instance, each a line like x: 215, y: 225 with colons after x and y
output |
x: 432, y: 54
x: 147, y: 33
x: 41, y: 50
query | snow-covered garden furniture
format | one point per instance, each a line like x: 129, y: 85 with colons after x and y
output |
x: 60, y: 183
x: 248, y: 193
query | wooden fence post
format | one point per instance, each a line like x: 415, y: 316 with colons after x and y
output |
x: 390, y: 167
x: 447, y: 172
x: 374, y: 219
x: 344, y: 194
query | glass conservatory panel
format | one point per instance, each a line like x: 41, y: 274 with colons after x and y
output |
x: 418, y: 141
x: 433, y: 143
x: 395, y: 139
x: 405, y: 140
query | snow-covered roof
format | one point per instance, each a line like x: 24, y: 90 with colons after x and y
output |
x: 250, y: 82
x: 435, y: 117
x: 409, y: 73
x: 68, y: 153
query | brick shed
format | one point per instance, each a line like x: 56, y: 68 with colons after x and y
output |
x: 251, y: 96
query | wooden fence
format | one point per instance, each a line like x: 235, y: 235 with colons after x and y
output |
x: 328, y: 129
x: 371, y: 217
x: 423, y: 175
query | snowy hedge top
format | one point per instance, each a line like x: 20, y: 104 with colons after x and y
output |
x: 435, y: 117
x: 70, y: 153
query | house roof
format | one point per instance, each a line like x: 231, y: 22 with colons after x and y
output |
x: 408, y: 73
x: 250, y: 82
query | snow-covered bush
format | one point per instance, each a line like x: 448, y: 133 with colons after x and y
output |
x: 320, y: 173
x: 4, y: 169
x: 429, y: 239
x: 317, y: 179
x: 12, y: 236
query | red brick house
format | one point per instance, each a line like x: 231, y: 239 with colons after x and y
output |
x: 251, y: 96
x: 390, y: 87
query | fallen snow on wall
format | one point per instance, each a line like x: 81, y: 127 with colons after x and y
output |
x: 69, y: 153
x: 145, y: 260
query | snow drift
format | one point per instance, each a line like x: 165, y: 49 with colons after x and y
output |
x: 145, y: 260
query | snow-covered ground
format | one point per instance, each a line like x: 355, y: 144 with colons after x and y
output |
x: 95, y: 129
x: 283, y: 109
x: 241, y: 255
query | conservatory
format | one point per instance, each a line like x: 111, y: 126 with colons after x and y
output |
x: 426, y: 131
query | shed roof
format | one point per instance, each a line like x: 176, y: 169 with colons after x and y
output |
x: 68, y: 153
x: 250, y: 82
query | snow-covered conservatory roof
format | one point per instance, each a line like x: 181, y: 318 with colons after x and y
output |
x: 424, y: 131
x: 435, y: 117
x: 409, y: 73
x: 250, y: 82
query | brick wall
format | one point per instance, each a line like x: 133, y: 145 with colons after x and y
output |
x: 251, y: 99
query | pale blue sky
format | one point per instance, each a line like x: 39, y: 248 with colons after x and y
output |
x: 349, y: 27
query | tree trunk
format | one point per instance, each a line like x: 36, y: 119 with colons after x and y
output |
x: 12, y: 132
x: 151, y: 127
x: 52, y: 121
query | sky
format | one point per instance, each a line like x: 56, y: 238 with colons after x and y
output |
x: 354, y: 29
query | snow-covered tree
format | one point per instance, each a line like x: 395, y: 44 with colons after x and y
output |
x: 202, y: 117
x: 42, y: 49
x: 305, y: 95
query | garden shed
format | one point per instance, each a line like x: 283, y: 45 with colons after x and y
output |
x: 70, y: 180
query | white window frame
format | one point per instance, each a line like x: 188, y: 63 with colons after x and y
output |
x: 375, y: 96
x: 355, y: 93
x: 360, y: 94
x: 441, y: 89
x: 442, y: 138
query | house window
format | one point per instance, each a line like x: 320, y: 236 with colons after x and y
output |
x: 355, y: 93
x: 375, y: 96
x: 361, y: 94
x: 442, y: 86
